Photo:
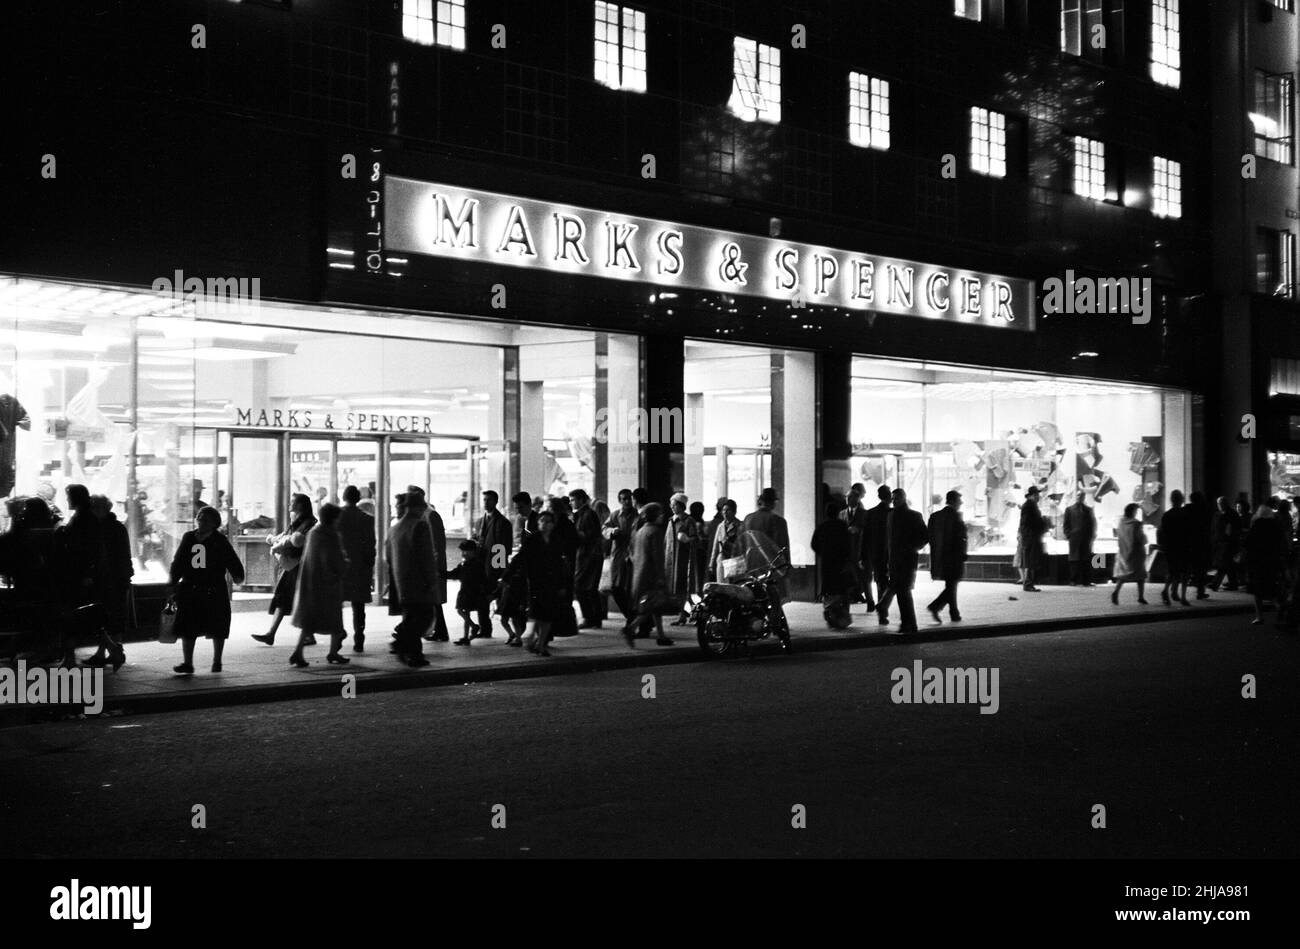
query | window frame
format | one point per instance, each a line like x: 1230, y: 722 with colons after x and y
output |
x: 1270, y: 147
x: 867, y: 95
x: 762, y: 106
x: 628, y: 27
x: 988, y: 160
x: 1095, y: 171
x: 1170, y: 65
x: 1166, y: 188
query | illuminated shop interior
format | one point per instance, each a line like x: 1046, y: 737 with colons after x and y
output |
x: 991, y: 435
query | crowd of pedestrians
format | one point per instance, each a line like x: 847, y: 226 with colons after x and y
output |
x: 71, y: 578
x: 1202, y: 549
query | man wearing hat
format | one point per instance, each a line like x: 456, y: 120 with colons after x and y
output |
x: 907, y: 535
x: 947, y: 554
x: 438, y: 631
x: 1029, y: 540
x: 766, y: 521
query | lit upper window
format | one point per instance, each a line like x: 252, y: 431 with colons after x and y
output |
x: 451, y: 23
x: 620, y: 47
x: 988, y: 142
x: 1071, y: 27
x: 968, y: 9
x: 429, y: 22
x: 756, y: 88
x: 868, y: 111
x: 1166, y: 188
x: 1272, y: 116
x: 1089, y: 168
x: 1165, y: 56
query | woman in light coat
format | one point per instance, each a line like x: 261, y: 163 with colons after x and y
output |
x: 681, y: 542
x: 649, y: 581
x: 288, y: 548
x: 1131, y: 562
x: 317, y: 603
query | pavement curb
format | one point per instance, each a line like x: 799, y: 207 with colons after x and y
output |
x: 687, y: 652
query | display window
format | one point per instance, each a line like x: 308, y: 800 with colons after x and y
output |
x: 163, y: 408
x: 992, y: 435
x: 1284, y: 474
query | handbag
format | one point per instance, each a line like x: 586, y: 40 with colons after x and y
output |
x: 730, y: 567
x: 167, y: 622
x: 653, y: 602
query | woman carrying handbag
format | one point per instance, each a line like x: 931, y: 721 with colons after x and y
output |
x: 199, y: 588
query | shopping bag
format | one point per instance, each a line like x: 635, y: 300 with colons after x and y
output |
x: 606, y: 585
x: 731, y: 567
x: 167, y: 622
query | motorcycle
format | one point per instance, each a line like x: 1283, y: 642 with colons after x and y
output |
x: 746, y: 605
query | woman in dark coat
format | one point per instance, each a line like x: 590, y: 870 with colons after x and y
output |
x: 288, y: 547
x: 565, y: 622
x: 1029, y: 541
x: 549, y: 571
x: 198, y: 577
x: 702, y: 546
x: 33, y: 562
x: 1226, y: 541
x: 833, y: 545
x: 1266, y: 549
x: 649, y: 579
x: 619, y: 527
x: 116, y: 570
x: 356, y: 528
x: 588, y: 558
x: 316, y: 604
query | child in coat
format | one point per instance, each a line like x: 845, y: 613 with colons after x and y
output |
x: 473, y: 594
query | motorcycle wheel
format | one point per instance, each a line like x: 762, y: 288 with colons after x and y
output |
x: 711, y: 648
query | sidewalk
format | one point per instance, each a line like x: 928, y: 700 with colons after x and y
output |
x: 257, y: 673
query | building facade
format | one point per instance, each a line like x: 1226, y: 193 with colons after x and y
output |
x: 1257, y: 206
x: 708, y: 246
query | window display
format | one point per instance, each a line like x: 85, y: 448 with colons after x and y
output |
x: 132, y: 395
x: 992, y: 435
x: 1284, y: 474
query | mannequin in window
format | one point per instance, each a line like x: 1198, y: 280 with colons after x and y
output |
x: 12, y: 417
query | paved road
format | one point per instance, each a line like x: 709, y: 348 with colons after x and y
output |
x: 1147, y: 720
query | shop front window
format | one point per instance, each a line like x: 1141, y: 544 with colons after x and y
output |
x: 162, y: 411
x: 992, y: 435
x: 727, y: 413
x: 1284, y: 474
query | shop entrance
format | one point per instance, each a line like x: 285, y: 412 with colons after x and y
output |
x: 259, y: 473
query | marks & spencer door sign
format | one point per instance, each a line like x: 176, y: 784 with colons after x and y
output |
x: 358, y: 423
x: 440, y: 220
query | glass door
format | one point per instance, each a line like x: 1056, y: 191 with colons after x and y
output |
x: 357, y: 465
x: 313, y: 471
x: 253, y: 498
